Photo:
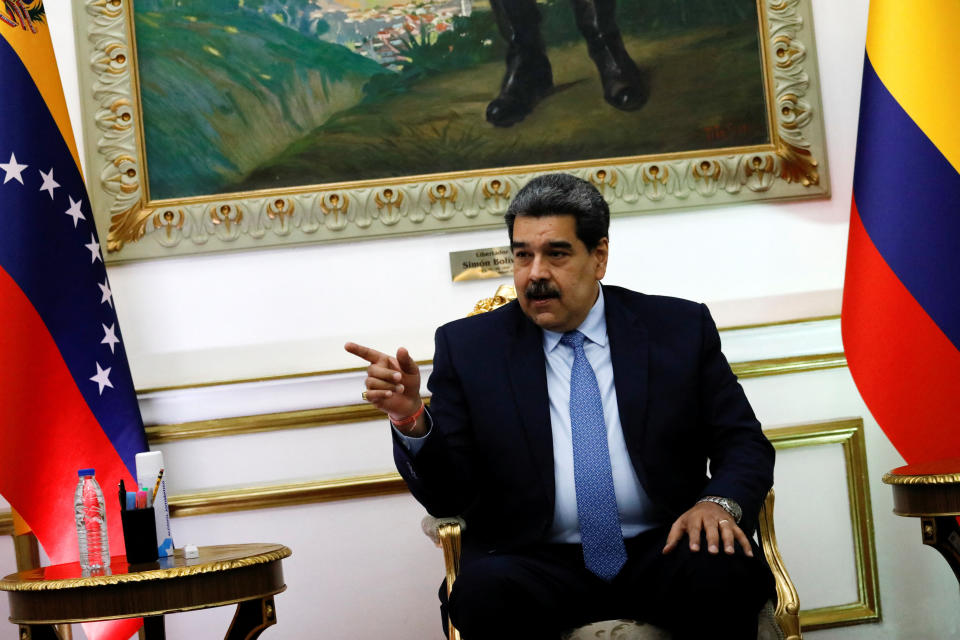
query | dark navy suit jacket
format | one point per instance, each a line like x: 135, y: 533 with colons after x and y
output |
x: 489, y: 457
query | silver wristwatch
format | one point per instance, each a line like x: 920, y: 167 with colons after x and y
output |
x: 730, y: 506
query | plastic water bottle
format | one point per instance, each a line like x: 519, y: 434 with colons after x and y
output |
x: 91, y: 516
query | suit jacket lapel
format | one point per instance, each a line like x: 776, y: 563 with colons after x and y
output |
x: 528, y: 381
x: 629, y: 353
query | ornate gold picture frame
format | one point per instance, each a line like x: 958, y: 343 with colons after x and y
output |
x: 789, y: 164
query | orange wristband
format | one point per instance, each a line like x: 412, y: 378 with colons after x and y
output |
x: 406, y: 422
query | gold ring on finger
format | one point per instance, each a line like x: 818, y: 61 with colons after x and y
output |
x: 364, y: 395
x: 722, y: 521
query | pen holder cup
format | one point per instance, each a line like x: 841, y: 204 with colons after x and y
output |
x: 139, y: 535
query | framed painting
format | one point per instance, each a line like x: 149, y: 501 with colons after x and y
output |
x: 215, y: 125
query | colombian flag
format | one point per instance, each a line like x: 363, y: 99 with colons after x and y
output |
x: 66, y: 396
x: 901, y: 301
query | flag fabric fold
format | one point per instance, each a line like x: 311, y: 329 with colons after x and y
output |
x: 901, y: 301
x: 66, y: 395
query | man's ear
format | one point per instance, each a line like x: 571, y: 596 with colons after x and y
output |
x: 600, y: 253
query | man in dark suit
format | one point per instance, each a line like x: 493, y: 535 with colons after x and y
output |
x: 572, y: 430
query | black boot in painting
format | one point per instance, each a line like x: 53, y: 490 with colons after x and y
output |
x: 624, y: 84
x: 528, y: 77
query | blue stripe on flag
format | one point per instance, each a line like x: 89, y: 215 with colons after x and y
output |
x: 46, y: 255
x: 908, y: 196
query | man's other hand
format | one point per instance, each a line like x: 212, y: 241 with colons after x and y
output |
x: 393, y: 385
x: 715, y: 523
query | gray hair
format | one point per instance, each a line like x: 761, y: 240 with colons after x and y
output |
x: 563, y: 194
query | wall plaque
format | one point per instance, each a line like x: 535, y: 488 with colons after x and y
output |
x: 479, y: 264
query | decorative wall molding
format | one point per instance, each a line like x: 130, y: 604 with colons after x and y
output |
x: 157, y: 434
x: 849, y: 434
x: 345, y: 414
x: 790, y: 166
x: 284, y: 495
x: 792, y: 364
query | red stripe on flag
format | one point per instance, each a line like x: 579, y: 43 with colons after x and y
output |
x: 906, y: 369
x: 40, y: 403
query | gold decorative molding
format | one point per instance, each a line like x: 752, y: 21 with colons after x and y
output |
x: 314, y: 374
x: 504, y: 294
x: 265, y: 497
x: 779, y: 323
x: 304, y: 419
x: 345, y: 414
x: 789, y: 166
x: 283, y: 495
x: 931, y: 479
x: 226, y: 558
x: 849, y: 434
x: 792, y: 364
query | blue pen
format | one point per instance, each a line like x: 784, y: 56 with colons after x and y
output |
x: 131, y: 500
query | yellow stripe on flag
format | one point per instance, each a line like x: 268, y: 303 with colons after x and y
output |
x: 20, y: 525
x: 910, y: 45
x: 36, y: 53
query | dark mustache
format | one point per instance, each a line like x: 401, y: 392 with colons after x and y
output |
x: 541, y: 290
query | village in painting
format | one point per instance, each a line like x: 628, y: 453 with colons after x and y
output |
x: 252, y: 94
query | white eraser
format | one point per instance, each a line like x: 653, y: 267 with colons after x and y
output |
x: 191, y: 551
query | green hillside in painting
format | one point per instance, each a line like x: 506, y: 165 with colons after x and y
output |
x: 242, y: 95
x: 223, y: 91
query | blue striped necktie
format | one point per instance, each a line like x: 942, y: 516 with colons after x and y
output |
x: 604, y: 553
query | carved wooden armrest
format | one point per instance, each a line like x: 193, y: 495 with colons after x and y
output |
x: 788, y: 601
x: 445, y: 533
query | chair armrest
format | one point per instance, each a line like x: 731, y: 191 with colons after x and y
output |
x: 431, y: 526
x: 445, y: 533
x: 788, y: 601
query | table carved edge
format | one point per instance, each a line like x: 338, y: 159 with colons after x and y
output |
x: 252, y: 584
x: 935, y: 499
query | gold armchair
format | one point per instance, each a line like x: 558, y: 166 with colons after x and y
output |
x: 779, y: 622
x: 775, y: 622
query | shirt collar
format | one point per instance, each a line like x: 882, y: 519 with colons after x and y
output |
x: 594, y: 327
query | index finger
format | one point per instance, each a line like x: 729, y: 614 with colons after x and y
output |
x: 370, y: 355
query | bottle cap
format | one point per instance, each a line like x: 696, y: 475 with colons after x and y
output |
x: 86, y: 472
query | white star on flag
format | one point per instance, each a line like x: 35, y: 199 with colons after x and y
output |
x: 94, y: 248
x: 74, y: 211
x: 107, y: 294
x: 102, y: 378
x: 13, y: 170
x: 110, y: 336
x: 49, y: 184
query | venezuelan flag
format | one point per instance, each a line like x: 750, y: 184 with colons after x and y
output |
x: 901, y: 301
x: 66, y: 395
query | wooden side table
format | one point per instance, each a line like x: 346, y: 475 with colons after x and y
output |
x: 248, y: 575
x: 931, y: 491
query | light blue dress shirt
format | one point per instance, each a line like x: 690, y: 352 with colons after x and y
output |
x: 637, y: 512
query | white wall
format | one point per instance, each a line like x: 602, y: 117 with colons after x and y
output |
x: 361, y: 569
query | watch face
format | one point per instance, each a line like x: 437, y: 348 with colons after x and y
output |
x: 733, y: 508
